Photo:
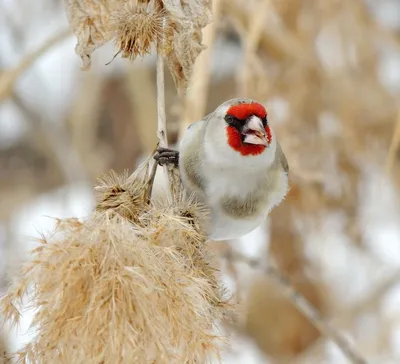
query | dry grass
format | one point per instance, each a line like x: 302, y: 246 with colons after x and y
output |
x: 132, y: 282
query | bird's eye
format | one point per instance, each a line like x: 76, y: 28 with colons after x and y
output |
x: 234, y: 121
x: 230, y: 119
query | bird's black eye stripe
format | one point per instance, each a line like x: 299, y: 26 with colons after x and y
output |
x: 230, y: 119
x: 235, y: 122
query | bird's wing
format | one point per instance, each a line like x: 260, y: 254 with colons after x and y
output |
x: 191, y: 156
x: 198, y: 124
x: 281, y: 158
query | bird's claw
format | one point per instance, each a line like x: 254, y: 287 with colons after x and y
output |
x: 165, y: 156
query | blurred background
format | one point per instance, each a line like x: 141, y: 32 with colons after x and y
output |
x: 328, y: 72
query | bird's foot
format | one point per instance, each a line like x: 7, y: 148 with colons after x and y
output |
x: 165, y: 156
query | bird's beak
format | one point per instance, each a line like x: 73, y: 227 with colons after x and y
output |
x: 254, y: 132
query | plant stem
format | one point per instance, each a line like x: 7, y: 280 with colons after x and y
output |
x: 161, y: 118
x: 10, y: 77
x: 162, y: 126
x: 304, y: 306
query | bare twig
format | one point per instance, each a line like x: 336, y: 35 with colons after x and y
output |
x: 170, y: 171
x: 161, y: 118
x: 152, y: 176
x: 302, y: 304
x: 9, y: 78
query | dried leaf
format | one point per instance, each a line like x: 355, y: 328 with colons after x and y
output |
x: 89, y: 19
x: 135, y: 26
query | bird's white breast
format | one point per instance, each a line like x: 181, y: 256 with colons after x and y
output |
x: 223, y: 226
x: 229, y: 174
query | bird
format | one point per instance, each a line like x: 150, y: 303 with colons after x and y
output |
x: 232, y: 162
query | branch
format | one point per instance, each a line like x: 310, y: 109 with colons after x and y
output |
x: 161, y: 118
x: 301, y: 303
x: 10, y: 77
x: 171, y: 172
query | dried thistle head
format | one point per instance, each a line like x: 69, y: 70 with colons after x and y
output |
x: 111, y: 290
x: 137, y: 25
x: 122, y: 196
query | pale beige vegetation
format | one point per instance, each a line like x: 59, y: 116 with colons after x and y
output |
x: 134, y: 282
x: 338, y: 120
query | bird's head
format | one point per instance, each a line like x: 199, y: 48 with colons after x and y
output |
x: 246, y: 125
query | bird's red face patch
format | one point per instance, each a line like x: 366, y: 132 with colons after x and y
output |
x: 244, y: 111
x: 235, y: 138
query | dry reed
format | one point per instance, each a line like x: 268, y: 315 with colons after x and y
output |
x: 135, y: 281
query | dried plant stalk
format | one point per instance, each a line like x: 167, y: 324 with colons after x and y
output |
x: 171, y: 172
x: 161, y: 117
x: 9, y: 78
x: 133, y: 283
x: 137, y: 25
x: 304, y: 307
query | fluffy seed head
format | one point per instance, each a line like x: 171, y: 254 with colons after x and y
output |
x: 138, y: 28
x: 115, y: 289
x: 122, y: 196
